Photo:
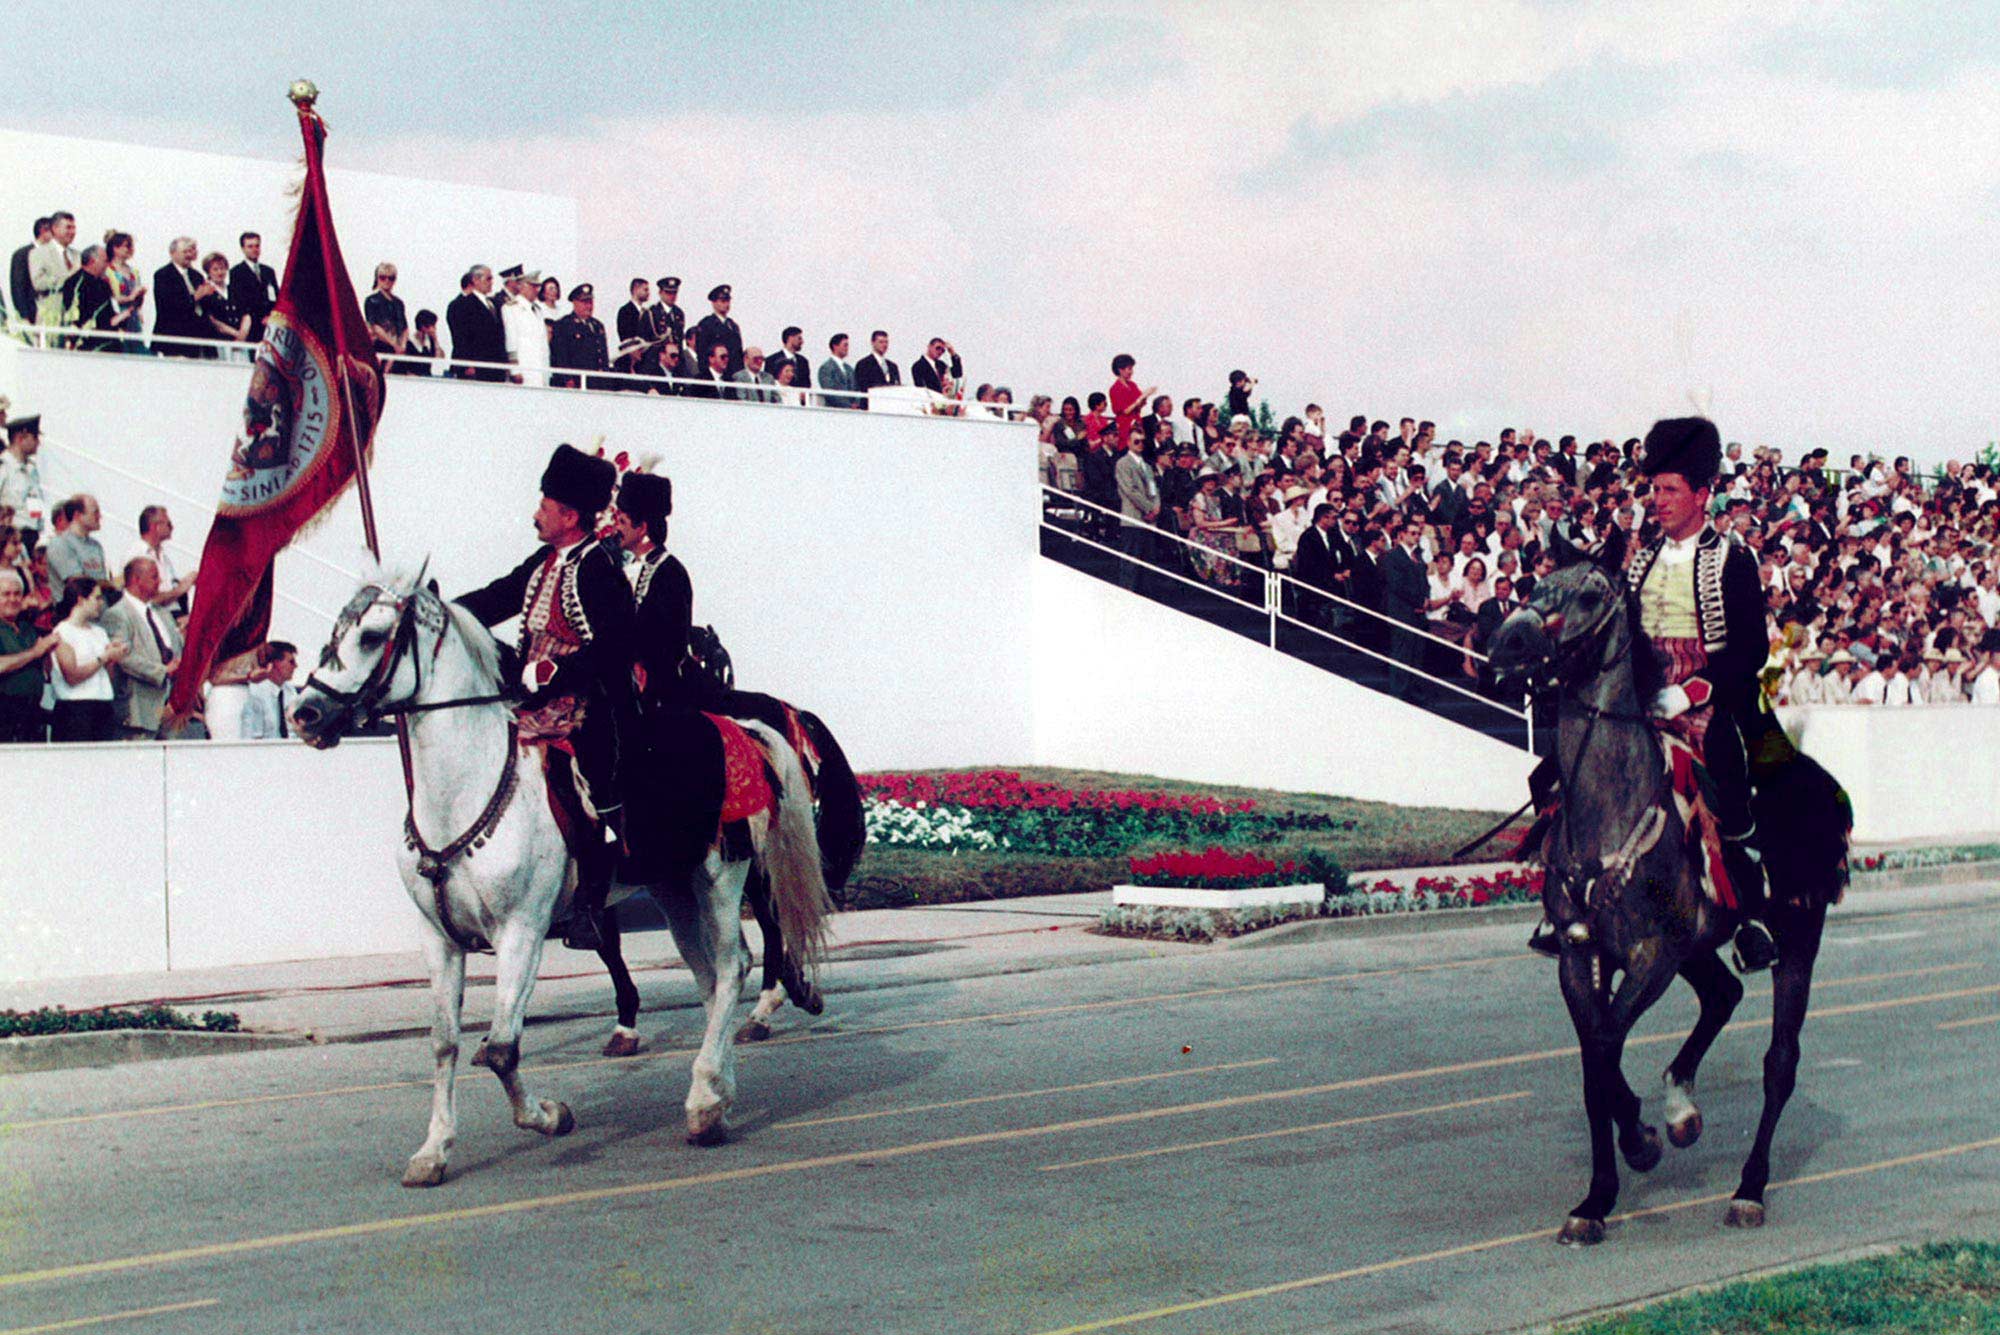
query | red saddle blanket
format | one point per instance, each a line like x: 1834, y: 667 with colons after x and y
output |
x: 1686, y: 773
x: 746, y: 775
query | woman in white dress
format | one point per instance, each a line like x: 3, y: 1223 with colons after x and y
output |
x: 85, y: 654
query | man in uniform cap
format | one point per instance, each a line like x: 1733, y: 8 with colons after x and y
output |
x: 1702, y: 641
x: 577, y: 341
x: 667, y: 324
x: 526, y: 322
x: 716, y: 327
x: 576, y: 662
x: 21, y: 478
x: 682, y: 775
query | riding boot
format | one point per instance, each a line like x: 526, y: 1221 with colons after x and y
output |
x: 1755, y: 951
x: 594, y: 868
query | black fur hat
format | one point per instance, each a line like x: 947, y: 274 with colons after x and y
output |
x: 582, y: 482
x: 646, y: 496
x: 1689, y: 446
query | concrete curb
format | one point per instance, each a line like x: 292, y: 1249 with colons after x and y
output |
x: 115, y: 1047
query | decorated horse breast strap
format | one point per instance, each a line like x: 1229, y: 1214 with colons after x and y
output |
x: 747, y: 783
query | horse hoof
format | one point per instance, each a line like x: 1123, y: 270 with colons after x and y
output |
x: 424, y: 1173
x: 624, y: 1043
x: 479, y: 1058
x: 755, y: 1031
x: 1744, y: 1214
x: 706, y: 1128
x: 812, y: 1003
x: 565, y: 1120
x: 1581, y: 1232
x: 1645, y: 1153
x: 1684, y: 1132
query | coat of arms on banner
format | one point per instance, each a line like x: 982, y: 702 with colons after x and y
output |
x: 288, y: 416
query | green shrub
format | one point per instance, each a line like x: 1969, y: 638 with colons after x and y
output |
x: 57, y: 1020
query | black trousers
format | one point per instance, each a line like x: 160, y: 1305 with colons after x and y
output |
x: 21, y: 719
x: 1728, y: 762
x: 84, y: 721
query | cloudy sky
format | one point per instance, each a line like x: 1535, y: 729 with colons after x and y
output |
x: 1569, y: 216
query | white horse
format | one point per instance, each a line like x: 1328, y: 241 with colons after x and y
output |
x: 486, y: 865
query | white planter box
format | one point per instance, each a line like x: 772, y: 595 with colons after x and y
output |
x: 1183, y: 897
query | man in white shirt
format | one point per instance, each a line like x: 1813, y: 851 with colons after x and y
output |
x: 525, y: 323
x: 21, y: 478
x: 1898, y: 686
x: 1806, y: 686
x: 270, y: 694
x: 1986, y: 681
x: 1871, y: 689
x: 156, y: 529
x: 1839, y: 681
x: 1948, y: 680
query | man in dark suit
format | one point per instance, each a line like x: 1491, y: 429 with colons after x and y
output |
x: 1364, y: 585
x: 177, y: 295
x: 936, y: 367
x: 633, y: 335
x: 788, y: 354
x: 476, y: 332
x: 706, y: 381
x: 876, y: 370
x: 717, y: 328
x: 1405, y: 590
x: 19, y: 285
x: 253, y: 287
x: 1314, y: 563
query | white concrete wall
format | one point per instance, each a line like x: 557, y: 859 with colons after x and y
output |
x: 1127, y: 685
x: 875, y: 568
x: 433, y: 231
x: 1925, y: 773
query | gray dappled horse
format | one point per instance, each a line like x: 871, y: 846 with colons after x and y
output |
x: 485, y: 862
x: 1625, y: 896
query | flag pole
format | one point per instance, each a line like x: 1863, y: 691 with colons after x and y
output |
x: 303, y: 95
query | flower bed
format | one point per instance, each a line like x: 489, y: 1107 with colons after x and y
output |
x: 1909, y: 859
x: 1031, y: 816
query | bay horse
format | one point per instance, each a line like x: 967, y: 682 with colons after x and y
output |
x: 1624, y: 890
x: 842, y: 834
x: 486, y: 864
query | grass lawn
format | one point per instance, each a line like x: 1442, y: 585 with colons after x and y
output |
x: 1369, y: 835
x: 1941, y: 1287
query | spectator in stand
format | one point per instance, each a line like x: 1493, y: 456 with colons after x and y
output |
x: 1986, y: 673
x: 1288, y: 526
x: 226, y: 323
x: 84, y: 655
x: 752, y: 376
x: 87, y: 303
x: 21, y: 478
x: 422, y: 348
x: 669, y: 321
x: 524, y: 326
x: 20, y: 284
x: 75, y: 553
x: 671, y: 373
x: 1237, y: 401
x: 156, y: 530
x: 227, y: 703
x: 1406, y: 597
x: 1208, y: 524
x: 268, y: 694
x: 707, y: 381
x: 876, y: 370
x: 787, y: 391
x: 718, y: 328
x: 836, y: 373
x: 473, y: 320
x: 388, y: 326
x: 128, y: 292
x: 631, y: 326
x: 936, y: 374
x: 1126, y: 397
x: 50, y: 265
x: 1139, y: 504
x: 178, y: 294
x: 23, y: 666
x: 253, y: 285
x: 142, y: 678
x: 790, y: 341
x: 578, y: 343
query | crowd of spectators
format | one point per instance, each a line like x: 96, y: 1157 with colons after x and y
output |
x: 89, y: 648
x: 504, y: 327
x: 1882, y: 584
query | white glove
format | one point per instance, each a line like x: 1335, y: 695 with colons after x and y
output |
x: 1671, y: 703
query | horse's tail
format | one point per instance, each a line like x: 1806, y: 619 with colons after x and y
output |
x: 843, y: 827
x: 791, y: 858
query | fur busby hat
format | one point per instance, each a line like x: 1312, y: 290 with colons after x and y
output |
x: 580, y: 481
x: 646, y: 496
x: 1690, y: 446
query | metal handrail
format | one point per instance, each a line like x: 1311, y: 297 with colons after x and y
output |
x: 1345, y: 643
x: 53, y: 338
x: 1207, y: 552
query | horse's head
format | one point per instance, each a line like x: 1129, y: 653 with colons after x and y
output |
x: 1560, y: 633
x: 373, y: 658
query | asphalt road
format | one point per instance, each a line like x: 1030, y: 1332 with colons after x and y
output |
x: 1377, y: 1134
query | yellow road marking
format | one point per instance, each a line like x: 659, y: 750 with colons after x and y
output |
x: 1511, y: 1240
x: 78, y: 1323
x: 1970, y: 1022
x: 1286, y: 1131
x: 1026, y: 1094
x: 405, y: 1222
x: 809, y: 1036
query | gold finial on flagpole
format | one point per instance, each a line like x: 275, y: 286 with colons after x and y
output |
x: 303, y: 94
